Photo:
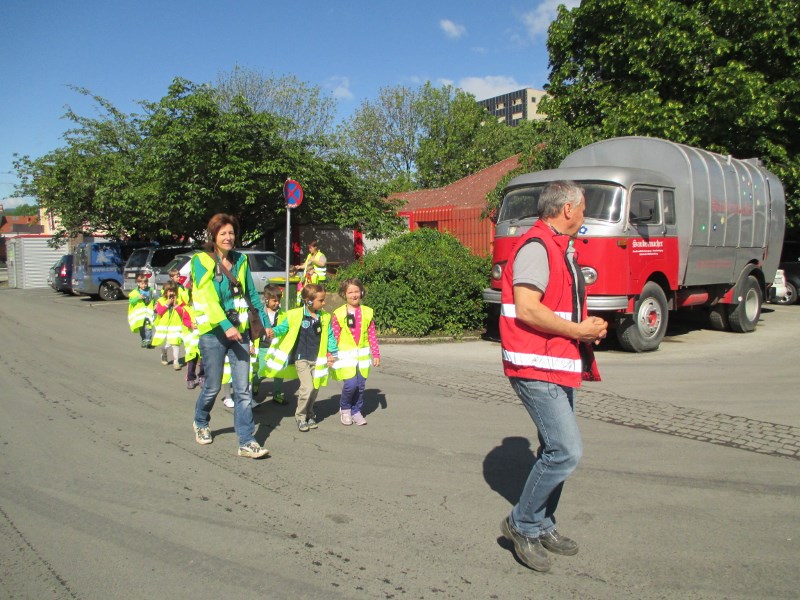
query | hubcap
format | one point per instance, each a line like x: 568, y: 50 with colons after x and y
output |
x: 751, y: 305
x: 649, y: 317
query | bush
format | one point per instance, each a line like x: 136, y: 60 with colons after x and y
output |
x: 422, y: 282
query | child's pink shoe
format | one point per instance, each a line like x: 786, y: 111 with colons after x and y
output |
x: 358, y: 419
x: 346, y: 418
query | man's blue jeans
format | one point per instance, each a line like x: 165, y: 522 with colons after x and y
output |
x: 214, y: 347
x: 552, y: 408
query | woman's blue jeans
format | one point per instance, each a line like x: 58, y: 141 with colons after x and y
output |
x: 552, y: 408
x: 214, y: 347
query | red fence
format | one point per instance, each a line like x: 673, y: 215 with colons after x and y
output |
x: 463, y: 223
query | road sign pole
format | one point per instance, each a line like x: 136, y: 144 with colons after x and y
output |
x: 288, y: 257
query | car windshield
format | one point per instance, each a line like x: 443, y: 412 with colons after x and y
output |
x: 176, y: 263
x: 603, y: 202
x: 163, y: 256
x: 265, y: 262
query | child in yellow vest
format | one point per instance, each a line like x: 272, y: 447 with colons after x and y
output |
x: 272, y: 306
x: 173, y: 323
x: 304, y: 348
x: 357, y: 340
x: 141, y: 303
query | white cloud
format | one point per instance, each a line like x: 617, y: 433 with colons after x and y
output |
x: 340, y: 87
x: 538, y: 20
x: 452, y: 30
x: 490, y: 86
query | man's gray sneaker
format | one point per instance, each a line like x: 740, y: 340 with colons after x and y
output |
x: 302, y: 425
x: 558, y: 544
x: 202, y: 434
x: 253, y: 450
x: 529, y: 550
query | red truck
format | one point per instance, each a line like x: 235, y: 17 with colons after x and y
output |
x: 667, y: 227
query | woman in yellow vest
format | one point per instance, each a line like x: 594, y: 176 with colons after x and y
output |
x: 220, y: 312
x: 314, y: 269
x: 358, y: 350
x: 303, y: 348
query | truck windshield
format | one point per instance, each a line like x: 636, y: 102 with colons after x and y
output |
x: 603, y: 202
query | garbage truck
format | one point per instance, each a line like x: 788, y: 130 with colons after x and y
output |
x: 667, y: 227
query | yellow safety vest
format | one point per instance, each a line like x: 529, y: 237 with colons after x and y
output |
x: 138, y: 310
x: 208, y: 311
x: 353, y: 354
x: 277, y: 359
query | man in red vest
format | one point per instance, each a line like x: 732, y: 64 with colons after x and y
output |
x: 546, y: 339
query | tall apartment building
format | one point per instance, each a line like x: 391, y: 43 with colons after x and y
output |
x: 516, y: 106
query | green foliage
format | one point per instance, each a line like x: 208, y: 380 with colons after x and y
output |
x: 718, y: 74
x: 161, y: 175
x: 422, y: 282
x: 23, y: 210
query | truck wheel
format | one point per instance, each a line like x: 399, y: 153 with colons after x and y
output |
x: 109, y: 290
x: 790, y: 297
x: 743, y: 317
x: 643, y: 330
x: 718, y: 317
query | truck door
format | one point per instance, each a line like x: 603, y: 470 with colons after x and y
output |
x: 648, y: 216
x: 644, y: 213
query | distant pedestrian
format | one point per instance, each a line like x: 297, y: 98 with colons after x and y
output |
x: 141, y: 313
x: 546, y: 342
x: 357, y: 340
x: 313, y: 270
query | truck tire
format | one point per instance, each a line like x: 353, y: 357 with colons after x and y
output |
x: 109, y: 290
x: 743, y: 317
x: 718, y: 317
x: 643, y: 330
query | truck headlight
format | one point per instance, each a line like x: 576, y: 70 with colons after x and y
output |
x: 589, y: 275
x: 497, y: 272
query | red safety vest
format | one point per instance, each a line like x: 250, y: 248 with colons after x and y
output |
x: 532, y: 354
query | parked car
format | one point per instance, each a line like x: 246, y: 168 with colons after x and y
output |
x: 264, y: 265
x: 60, y: 276
x: 151, y: 260
x: 97, y: 267
x: 790, y: 264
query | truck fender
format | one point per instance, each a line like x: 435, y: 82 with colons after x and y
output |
x: 734, y: 295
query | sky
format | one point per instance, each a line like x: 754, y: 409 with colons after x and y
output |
x: 126, y: 51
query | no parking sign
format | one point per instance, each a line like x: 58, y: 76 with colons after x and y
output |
x: 292, y: 193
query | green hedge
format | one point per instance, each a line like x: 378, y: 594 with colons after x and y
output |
x: 422, y: 282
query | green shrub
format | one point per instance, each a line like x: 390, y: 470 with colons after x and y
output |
x: 422, y: 282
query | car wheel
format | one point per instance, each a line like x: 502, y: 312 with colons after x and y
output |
x: 109, y: 290
x: 790, y: 297
x: 743, y: 317
x: 643, y: 330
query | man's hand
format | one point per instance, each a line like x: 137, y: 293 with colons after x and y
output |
x: 592, y: 330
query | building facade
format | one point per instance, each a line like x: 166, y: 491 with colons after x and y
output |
x: 514, y: 107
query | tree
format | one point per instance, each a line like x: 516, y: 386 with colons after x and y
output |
x: 458, y: 136
x: 383, y: 137
x: 306, y: 112
x: 720, y: 74
x: 162, y: 174
x: 23, y: 210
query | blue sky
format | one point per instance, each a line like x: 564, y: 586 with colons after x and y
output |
x: 126, y: 51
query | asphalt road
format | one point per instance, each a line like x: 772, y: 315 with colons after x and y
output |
x: 689, y: 486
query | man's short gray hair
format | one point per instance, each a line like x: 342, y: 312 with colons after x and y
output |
x: 555, y: 195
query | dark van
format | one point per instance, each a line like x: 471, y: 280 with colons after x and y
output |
x: 97, y: 267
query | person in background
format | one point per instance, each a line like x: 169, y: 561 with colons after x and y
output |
x: 313, y: 270
x: 172, y: 324
x: 141, y: 304
x: 221, y: 315
x: 546, y: 340
x: 304, y: 348
x: 358, y: 350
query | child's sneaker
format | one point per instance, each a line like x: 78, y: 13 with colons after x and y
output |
x: 253, y: 450
x: 302, y: 425
x: 177, y: 366
x: 279, y: 398
x: 145, y: 343
x: 202, y: 434
x: 358, y: 419
x: 312, y: 423
x: 191, y: 383
x: 164, y: 360
x: 345, y: 417
x: 228, y: 401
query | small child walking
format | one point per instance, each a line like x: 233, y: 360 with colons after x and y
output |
x: 272, y: 306
x: 358, y: 350
x: 304, y: 348
x: 141, y: 303
x: 173, y: 323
